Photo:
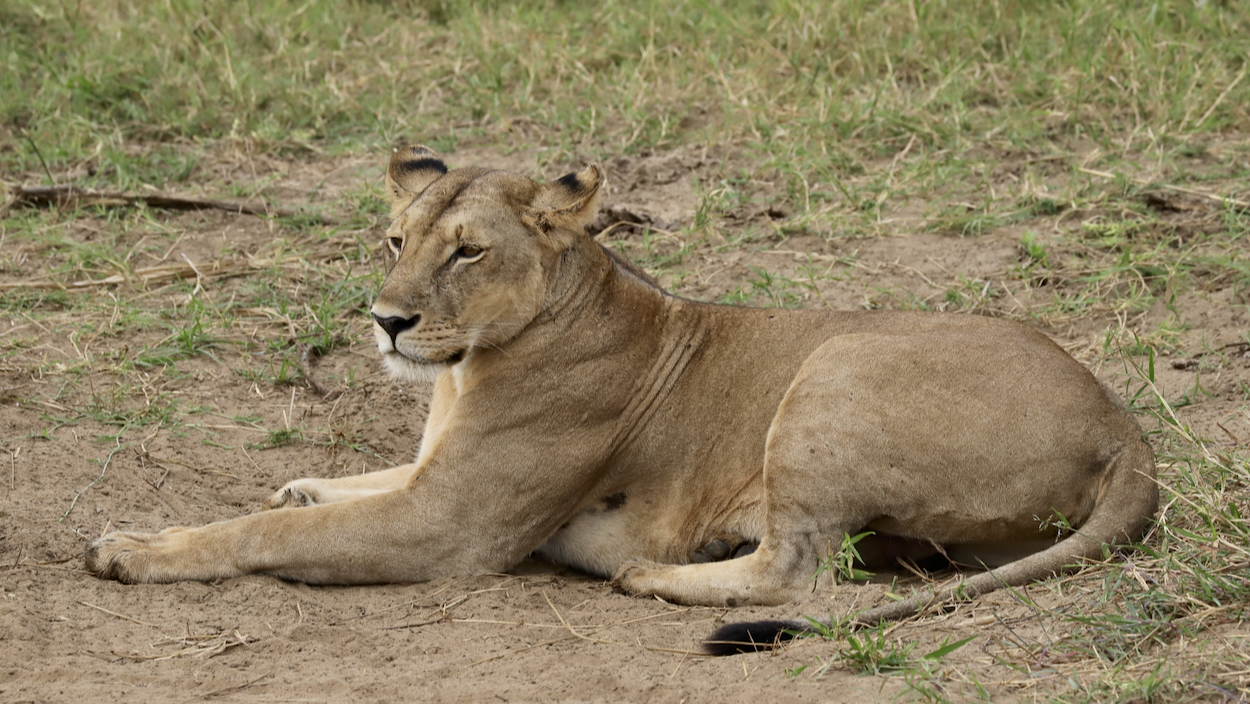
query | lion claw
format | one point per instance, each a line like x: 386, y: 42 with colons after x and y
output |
x: 289, y: 497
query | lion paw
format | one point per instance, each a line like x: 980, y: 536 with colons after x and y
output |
x: 717, y: 550
x: 637, y: 577
x: 126, y: 557
x: 172, y: 555
x: 291, y: 496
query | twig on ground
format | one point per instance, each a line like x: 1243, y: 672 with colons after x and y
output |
x: 57, y: 196
x: 108, y: 460
x: 171, y: 272
x: 408, y: 626
x: 224, y: 691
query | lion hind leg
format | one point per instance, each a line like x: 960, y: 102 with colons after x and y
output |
x: 311, y: 491
x: 776, y: 572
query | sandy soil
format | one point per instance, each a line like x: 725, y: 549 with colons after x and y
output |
x: 539, y: 633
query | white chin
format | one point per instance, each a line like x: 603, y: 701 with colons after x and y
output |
x: 405, y: 369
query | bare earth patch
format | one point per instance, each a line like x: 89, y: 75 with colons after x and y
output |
x: 191, y: 400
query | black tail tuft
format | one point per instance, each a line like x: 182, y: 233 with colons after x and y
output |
x: 753, y: 636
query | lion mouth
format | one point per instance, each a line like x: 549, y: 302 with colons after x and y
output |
x: 419, y: 367
x: 451, y: 358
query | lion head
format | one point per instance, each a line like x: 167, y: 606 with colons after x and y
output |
x: 470, y: 256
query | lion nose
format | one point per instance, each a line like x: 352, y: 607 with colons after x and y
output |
x: 394, y: 324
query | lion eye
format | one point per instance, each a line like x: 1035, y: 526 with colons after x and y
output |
x: 395, y: 243
x: 469, y: 251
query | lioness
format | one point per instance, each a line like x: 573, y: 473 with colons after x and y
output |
x: 581, y: 412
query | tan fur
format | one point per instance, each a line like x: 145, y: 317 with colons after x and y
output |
x: 581, y: 412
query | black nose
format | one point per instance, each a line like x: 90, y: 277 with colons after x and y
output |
x: 395, y: 324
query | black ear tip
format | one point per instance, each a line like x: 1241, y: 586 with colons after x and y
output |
x: 421, y: 163
x: 411, y: 170
x: 570, y: 181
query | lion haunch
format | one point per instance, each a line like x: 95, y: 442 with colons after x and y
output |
x: 581, y: 412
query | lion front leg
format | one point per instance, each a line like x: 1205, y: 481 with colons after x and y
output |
x: 389, y: 537
x: 311, y: 491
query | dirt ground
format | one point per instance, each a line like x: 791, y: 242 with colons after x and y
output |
x: 540, y: 632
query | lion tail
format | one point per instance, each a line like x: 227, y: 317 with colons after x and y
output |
x: 1121, y: 515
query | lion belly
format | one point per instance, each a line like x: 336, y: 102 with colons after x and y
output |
x: 665, y: 527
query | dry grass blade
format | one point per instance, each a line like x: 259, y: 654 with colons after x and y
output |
x: 114, y: 613
x: 196, y: 646
x: 1230, y: 202
x: 566, y: 623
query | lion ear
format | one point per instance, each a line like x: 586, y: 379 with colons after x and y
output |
x: 574, y: 196
x: 411, y: 171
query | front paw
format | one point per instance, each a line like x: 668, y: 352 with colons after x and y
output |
x: 127, y: 557
x: 292, y: 495
x: 637, y: 577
